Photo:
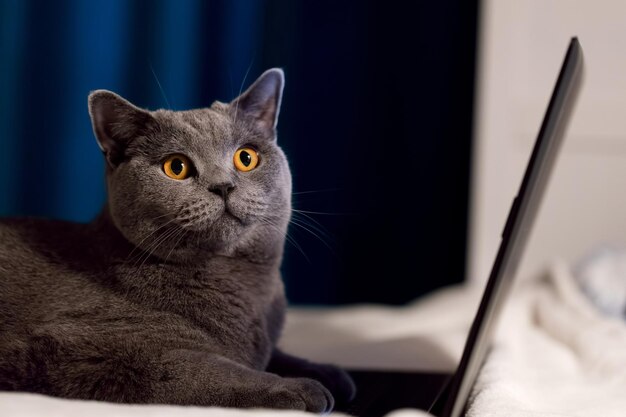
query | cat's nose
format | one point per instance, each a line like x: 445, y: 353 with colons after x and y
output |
x: 222, y: 189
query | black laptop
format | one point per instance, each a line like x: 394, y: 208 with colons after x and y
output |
x: 445, y: 395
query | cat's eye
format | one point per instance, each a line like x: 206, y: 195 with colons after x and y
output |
x: 177, y: 167
x: 246, y: 159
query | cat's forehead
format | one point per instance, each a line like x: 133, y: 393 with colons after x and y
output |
x: 208, y: 127
x: 200, y: 121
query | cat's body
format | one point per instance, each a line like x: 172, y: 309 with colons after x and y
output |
x: 173, y: 294
x: 58, y: 305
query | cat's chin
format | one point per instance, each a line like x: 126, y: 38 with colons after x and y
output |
x: 220, y: 235
x: 229, y: 218
x: 225, y: 226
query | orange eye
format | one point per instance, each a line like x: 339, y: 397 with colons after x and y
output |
x: 177, y: 167
x: 246, y: 159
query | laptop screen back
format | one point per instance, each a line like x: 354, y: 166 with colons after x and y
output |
x: 517, y: 228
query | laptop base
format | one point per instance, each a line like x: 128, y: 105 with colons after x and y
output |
x: 379, y: 392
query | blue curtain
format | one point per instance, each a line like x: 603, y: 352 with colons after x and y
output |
x: 175, y: 54
x: 376, y: 119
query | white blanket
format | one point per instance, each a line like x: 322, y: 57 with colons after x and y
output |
x: 554, y: 354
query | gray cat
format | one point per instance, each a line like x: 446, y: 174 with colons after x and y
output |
x: 173, y: 294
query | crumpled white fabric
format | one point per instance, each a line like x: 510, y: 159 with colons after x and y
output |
x: 602, y: 276
x: 555, y: 355
x: 35, y: 405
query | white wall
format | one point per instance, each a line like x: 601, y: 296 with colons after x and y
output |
x: 521, y: 47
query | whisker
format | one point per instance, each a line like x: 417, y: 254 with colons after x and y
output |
x: 241, y: 88
x: 160, y: 87
x: 148, y: 255
x: 137, y: 246
x: 324, y: 190
x: 294, y: 243
x: 142, y: 252
x: 230, y: 78
x: 296, y: 223
x: 323, y: 213
x: 182, y: 234
x: 288, y: 238
x: 315, y: 224
x: 155, y: 246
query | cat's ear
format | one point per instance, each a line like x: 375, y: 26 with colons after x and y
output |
x: 262, y: 100
x: 116, y: 122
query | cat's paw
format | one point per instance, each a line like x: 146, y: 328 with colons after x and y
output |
x: 302, y: 394
x: 338, y: 382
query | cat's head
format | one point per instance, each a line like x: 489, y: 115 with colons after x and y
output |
x: 211, y: 179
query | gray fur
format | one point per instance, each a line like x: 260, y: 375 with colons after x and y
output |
x: 173, y: 294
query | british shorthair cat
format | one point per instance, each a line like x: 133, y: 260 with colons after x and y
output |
x: 173, y: 294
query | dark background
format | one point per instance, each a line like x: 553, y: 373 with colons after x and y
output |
x: 376, y: 120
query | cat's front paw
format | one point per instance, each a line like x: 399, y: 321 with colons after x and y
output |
x: 338, y: 382
x: 302, y: 394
